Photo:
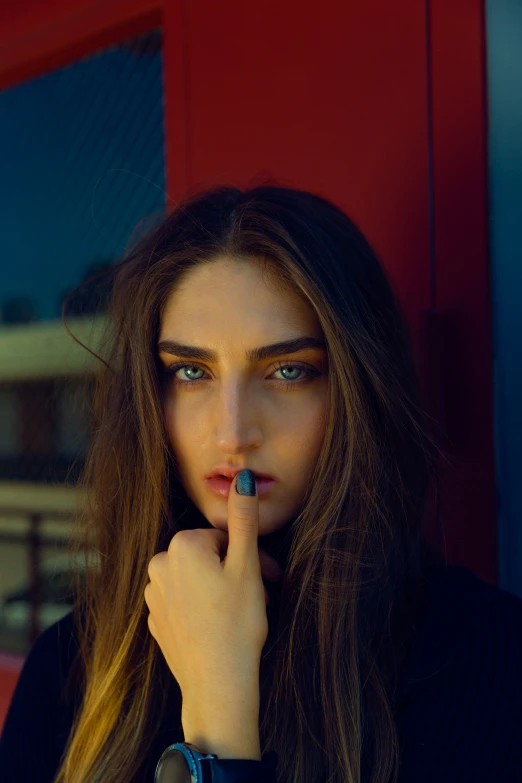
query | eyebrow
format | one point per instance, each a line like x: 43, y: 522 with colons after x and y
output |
x: 252, y: 355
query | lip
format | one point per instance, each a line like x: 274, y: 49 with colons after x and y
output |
x: 226, y: 470
x: 221, y: 486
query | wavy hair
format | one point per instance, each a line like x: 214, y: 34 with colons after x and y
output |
x: 357, y: 553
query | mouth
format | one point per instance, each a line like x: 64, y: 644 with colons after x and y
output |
x: 224, y: 471
x: 220, y: 484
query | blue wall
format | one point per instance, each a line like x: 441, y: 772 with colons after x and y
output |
x: 504, y: 58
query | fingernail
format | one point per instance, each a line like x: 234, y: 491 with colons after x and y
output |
x: 246, y: 483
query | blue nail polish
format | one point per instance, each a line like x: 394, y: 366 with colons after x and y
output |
x: 246, y: 483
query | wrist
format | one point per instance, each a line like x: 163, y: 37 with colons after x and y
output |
x: 230, y: 734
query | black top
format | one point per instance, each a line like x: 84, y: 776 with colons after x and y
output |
x: 459, y: 716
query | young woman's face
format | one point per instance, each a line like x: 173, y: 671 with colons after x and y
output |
x: 236, y: 411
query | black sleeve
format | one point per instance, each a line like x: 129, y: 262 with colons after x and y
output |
x: 462, y: 717
x: 38, y: 720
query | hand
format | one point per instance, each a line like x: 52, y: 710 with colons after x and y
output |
x: 207, y: 605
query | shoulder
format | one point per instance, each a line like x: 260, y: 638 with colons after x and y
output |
x: 41, y: 689
x: 464, y: 609
x: 51, y: 655
x: 465, y: 621
x: 459, y: 582
x: 461, y: 695
x: 55, y: 648
x: 458, y: 587
x: 41, y: 711
x: 59, y: 635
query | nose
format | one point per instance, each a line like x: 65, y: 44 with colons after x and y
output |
x: 237, y: 427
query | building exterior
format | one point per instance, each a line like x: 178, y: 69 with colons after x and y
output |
x: 381, y: 107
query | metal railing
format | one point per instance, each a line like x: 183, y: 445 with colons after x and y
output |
x: 35, y: 542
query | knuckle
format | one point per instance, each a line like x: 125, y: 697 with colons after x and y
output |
x: 155, y: 564
x: 179, y: 539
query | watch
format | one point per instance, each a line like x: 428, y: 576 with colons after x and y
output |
x: 182, y: 762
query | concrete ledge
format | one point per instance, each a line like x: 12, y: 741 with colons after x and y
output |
x: 44, y: 349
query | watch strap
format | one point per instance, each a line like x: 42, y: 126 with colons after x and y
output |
x: 241, y: 770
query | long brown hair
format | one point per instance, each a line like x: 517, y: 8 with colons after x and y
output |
x: 357, y: 551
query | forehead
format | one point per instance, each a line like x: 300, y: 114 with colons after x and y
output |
x: 240, y: 294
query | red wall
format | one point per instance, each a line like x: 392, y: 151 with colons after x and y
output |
x: 378, y: 106
x: 462, y: 286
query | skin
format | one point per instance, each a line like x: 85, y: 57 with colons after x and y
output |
x: 205, y: 595
x: 237, y: 412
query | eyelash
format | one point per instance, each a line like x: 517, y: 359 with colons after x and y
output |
x: 282, y: 384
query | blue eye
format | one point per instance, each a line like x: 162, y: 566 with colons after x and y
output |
x: 286, y: 383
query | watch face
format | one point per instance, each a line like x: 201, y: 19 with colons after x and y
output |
x: 173, y: 768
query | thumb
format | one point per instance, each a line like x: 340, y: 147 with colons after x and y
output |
x: 243, y: 522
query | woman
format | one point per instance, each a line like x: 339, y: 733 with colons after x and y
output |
x: 352, y: 666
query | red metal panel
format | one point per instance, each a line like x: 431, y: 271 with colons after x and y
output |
x: 176, y: 103
x: 334, y: 99
x: 462, y: 281
x: 38, y: 37
x: 331, y: 98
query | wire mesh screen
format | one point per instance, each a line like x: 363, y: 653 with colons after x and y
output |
x: 82, y: 161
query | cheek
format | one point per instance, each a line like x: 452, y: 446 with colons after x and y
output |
x: 187, y: 430
x: 174, y: 424
x: 304, y: 429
